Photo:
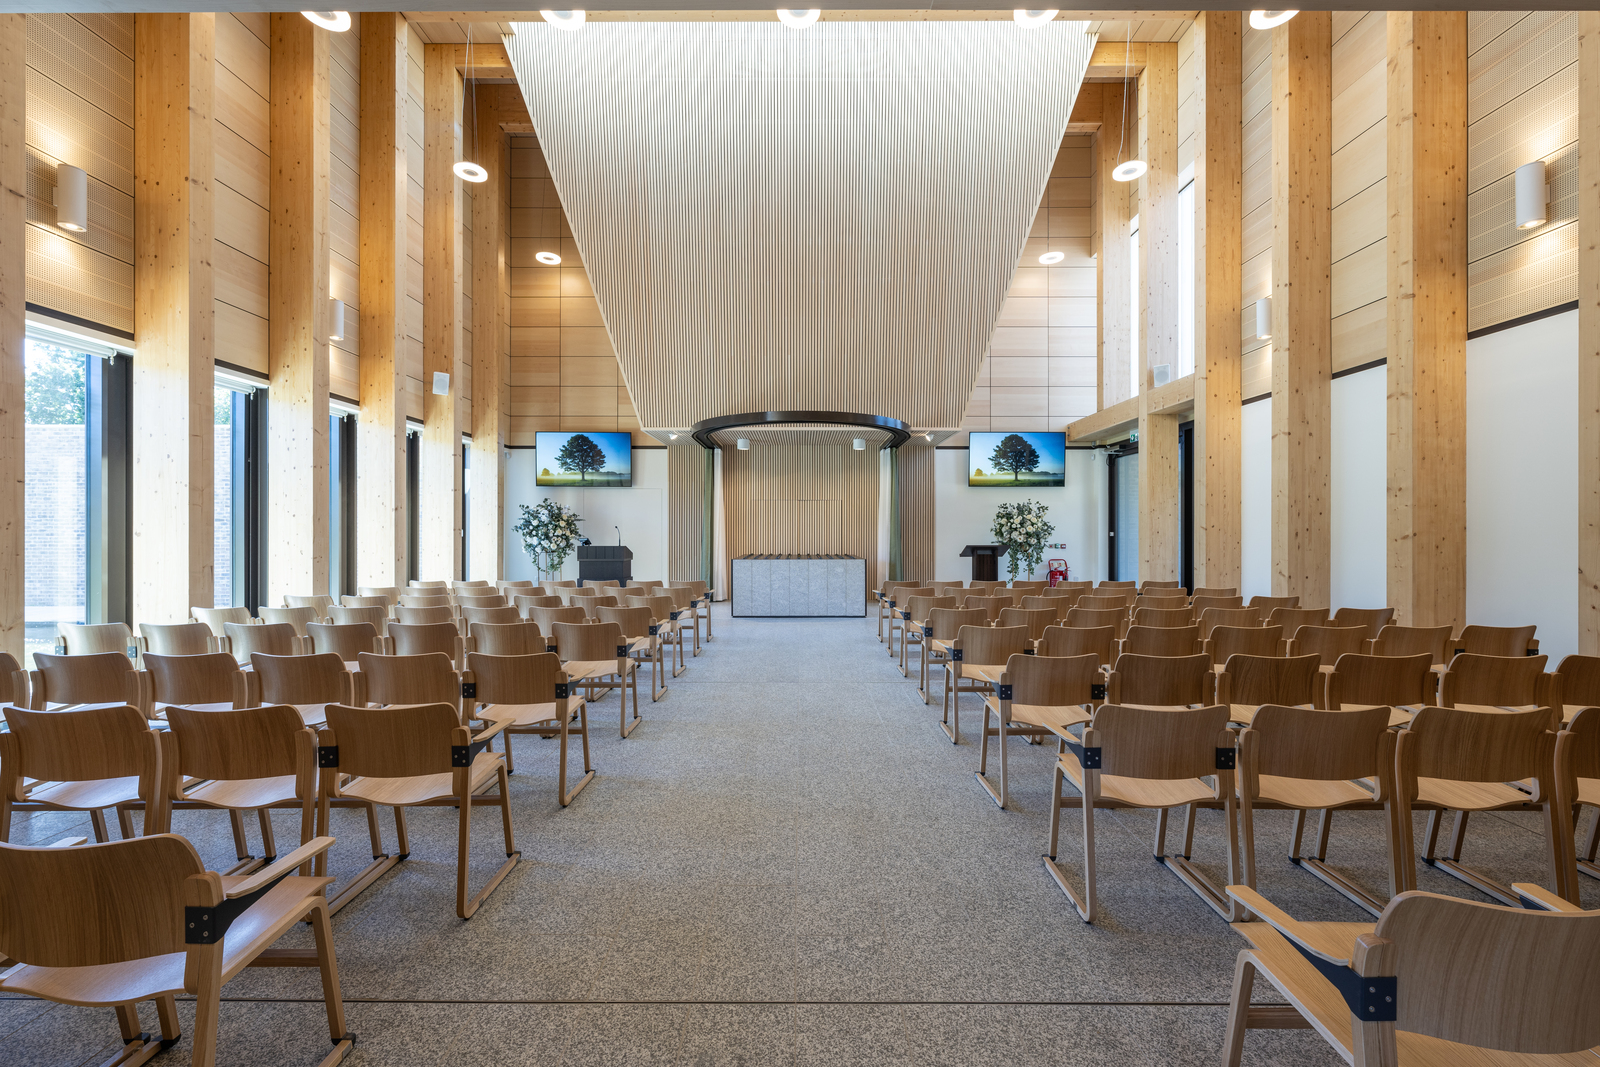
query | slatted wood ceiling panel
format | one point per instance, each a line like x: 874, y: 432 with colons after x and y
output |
x: 1522, y: 105
x: 1255, y: 238
x: 344, y: 206
x: 733, y: 280
x: 1360, y: 187
x: 79, y: 110
x: 241, y: 139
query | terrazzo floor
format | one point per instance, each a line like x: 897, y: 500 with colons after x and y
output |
x: 786, y: 863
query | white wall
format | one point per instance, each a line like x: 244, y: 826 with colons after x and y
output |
x: 1255, y: 499
x: 965, y: 514
x: 641, y: 511
x: 1522, y: 480
x: 1359, y: 521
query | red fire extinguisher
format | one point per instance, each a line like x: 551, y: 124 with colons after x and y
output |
x: 1058, y: 570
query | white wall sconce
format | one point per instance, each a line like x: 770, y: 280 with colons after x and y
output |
x: 744, y: 444
x: 336, y: 320
x: 441, y: 383
x: 1264, y: 319
x: 859, y: 444
x: 72, y: 198
x: 1533, y: 195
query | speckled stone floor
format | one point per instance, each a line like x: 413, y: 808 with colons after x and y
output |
x: 786, y: 863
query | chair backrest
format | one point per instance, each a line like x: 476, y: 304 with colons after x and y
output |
x: 546, y: 618
x: 1267, y: 603
x: 634, y: 622
x: 1580, y: 680
x: 1291, y: 619
x: 1328, y: 642
x: 1257, y: 680
x: 941, y: 588
x: 1057, y: 605
x: 346, y: 640
x: 400, y: 741
x: 622, y: 594
x: 86, y: 745
x: 1178, y: 616
x: 1398, y: 681
x: 1028, y: 587
x: 322, y: 604
x: 1108, y: 584
x: 992, y: 606
x: 263, y: 742
x: 981, y: 586
x: 681, y: 595
x: 595, y: 603
x: 507, y: 638
x: 1477, y: 746
x: 212, y: 678
x: 424, y: 616
x: 992, y: 645
x: 507, y: 588
x: 273, y: 638
x: 1159, y: 602
x: 917, y: 607
x: 1162, y: 681
x: 1091, y: 617
x: 662, y: 608
x: 590, y: 642
x: 1374, y: 619
x: 1496, y: 640
x: 650, y: 584
x: 499, y: 614
x: 316, y: 679
x: 418, y: 639
x: 583, y: 593
x: 1216, y: 591
x: 1211, y: 618
x: 426, y: 679
x: 946, y: 623
x: 1152, y: 584
x: 1162, y: 640
x: 1035, y: 619
x: 1160, y: 744
x: 557, y: 588
x: 95, y: 905
x: 1317, y: 745
x: 177, y: 638
x: 1245, y: 641
x: 298, y: 618
x: 348, y: 601
x: 1202, y: 604
x: 13, y: 681
x: 1069, y: 641
x: 217, y: 618
x: 1582, y: 748
x: 102, y: 678
x: 1510, y: 680
x: 1053, y: 681
x: 391, y: 593
x: 89, y: 639
x: 376, y: 617
x: 525, y: 603
x: 517, y: 679
x: 470, y: 586
x: 1409, y: 640
x: 1114, y: 599
x: 416, y: 602
x: 1067, y: 594
x: 417, y: 584
x: 902, y: 593
x: 885, y: 589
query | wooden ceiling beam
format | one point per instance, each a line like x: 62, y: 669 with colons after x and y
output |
x: 1116, y: 60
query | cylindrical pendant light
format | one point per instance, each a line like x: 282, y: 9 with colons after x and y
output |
x: 72, y: 198
x: 1131, y: 170
x: 744, y: 444
x: 859, y: 444
x: 1265, y: 20
x: 1532, y: 201
x: 337, y: 21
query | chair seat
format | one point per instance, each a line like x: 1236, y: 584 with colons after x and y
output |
x: 84, y: 796
x: 1055, y: 718
x: 1467, y: 796
x: 245, y: 792
x: 422, y: 788
x: 106, y: 985
x: 1142, y: 792
x: 1588, y: 791
x: 584, y: 670
x: 1306, y: 793
x: 517, y: 716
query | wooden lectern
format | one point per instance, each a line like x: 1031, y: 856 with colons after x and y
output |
x: 985, y: 561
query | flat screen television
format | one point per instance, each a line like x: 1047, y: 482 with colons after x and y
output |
x: 1016, y: 460
x: 586, y: 460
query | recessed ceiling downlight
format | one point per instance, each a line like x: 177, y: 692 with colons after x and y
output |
x: 468, y: 171
x: 549, y: 259
x: 1265, y: 20
x: 797, y: 19
x: 337, y: 21
x: 1032, y: 20
x: 1131, y: 170
x: 1050, y: 259
x: 571, y: 21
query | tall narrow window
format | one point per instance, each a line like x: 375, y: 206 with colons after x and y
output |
x: 1185, y: 272
x: 1136, y: 308
x: 413, y: 478
x: 55, y: 444
x: 341, y: 503
x: 223, y: 509
x: 466, y: 511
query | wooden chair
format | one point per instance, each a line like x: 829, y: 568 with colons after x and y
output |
x: 664, y: 610
x: 1302, y: 760
x: 1113, y: 600
x: 1580, y: 682
x: 1148, y: 758
x: 581, y: 596
x: 1374, y: 619
x: 947, y: 588
x: 1396, y: 681
x: 272, y: 638
x: 470, y: 615
x: 88, y: 760
x: 1225, y: 641
x: 429, y: 678
x: 598, y: 652
x: 1451, y: 759
x: 983, y: 586
x: 102, y: 678
x: 409, y: 616
x: 1200, y: 604
x: 306, y: 683
x: 1267, y: 603
x: 13, y: 682
x: 525, y: 604
x: 323, y: 605
x: 1058, y: 605
x: 1291, y: 619
x: 1146, y: 602
x: 557, y: 588
x: 415, y: 584
x: 685, y: 600
x: 365, y: 602
x: 1328, y: 642
x: 376, y: 616
x: 299, y: 618
x: 1180, y: 616
x: 1160, y: 681
x: 644, y: 642
x: 1578, y: 748
x: 885, y: 597
x: 1497, y: 640
x: 532, y: 695
x: 1161, y: 640
x: 177, y: 639
x: 110, y: 925
x: 88, y: 639
x: 391, y: 593
x: 914, y: 621
x: 992, y: 605
x: 939, y: 636
x: 898, y: 618
x: 407, y: 756
x: 700, y: 601
x: 419, y: 640
x: 211, y: 681
x: 1215, y: 591
x: 1437, y: 981
x: 1108, y: 584
x: 1037, y: 620
x: 1151, y: 585
x: 978, y: 656
x: 1410, y: 640
x: 1088, y: 618
x: 346, y: 640
x: 546, y: 618
x: 427, y: 602
x: 218, y: 618
x: 1034, y: 697
x: 1247, y: 682
x: 1505, y: 681
x: 507, y: 638
x: 1211, y: 618
x: 1097, y: 641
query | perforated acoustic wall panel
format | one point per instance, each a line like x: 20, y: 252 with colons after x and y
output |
x: 823, y: 220
x: 1255, y: 203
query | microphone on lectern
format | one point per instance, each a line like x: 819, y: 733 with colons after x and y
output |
x: 619, y: 535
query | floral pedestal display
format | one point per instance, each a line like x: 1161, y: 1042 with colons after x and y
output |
x: 549, y: 533
x: 1022, y: 528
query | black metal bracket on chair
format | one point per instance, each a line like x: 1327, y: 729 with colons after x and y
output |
x: 463, y: 755
x: 1088, y: 758
x: 327, y: 756
x: 1097, y: 692
x: 563, y: 690
x: 1003, y: 692
x: 469, y: 690
x: 206, y: 925
x: 1372, y: 1000
x: 955, y: 654
x: 1227, y: 759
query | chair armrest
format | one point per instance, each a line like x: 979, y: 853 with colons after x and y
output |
x: 68, y: 842
x: 496, y: 725
x: 1280, y: 921
x: 285, y: 864
x: 1538, y: 898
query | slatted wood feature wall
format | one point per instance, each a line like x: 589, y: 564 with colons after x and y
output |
x: 686, y: 512
x: 917, y: 509
x: 1360, y: 187
x: 415, y: 124
x: 344, y: 206
x: 242, y: 139
x: 1255, y: 206
x: 14, y: 159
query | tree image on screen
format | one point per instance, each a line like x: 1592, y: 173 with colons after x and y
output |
x: 582, y: 455
x: 1014, y: 454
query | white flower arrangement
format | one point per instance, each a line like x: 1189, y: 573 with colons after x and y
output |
x: 1022, y: 528
x: 550, y: 530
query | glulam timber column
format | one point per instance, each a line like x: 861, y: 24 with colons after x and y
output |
x: 1302, y: 304
x: 1160, y: 490
x: 13, y: 326
x: 1589, y: 335
x: 297, y: 326
x: 381, y: 430
x: 173, y: 378
x: 1113, y: 270
x: 1218, y: 165
x: 491, y: 356
x: 439, y: 468
x: 1427, y: 317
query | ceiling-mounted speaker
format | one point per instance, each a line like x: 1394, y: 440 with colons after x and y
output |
x: 441, y: 383
x: 1162, y: 373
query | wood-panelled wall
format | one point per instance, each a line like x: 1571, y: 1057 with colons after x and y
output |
x: 242, y: 140
x: 1359, y: 244
x: 344, y: 206
x: 803, y: 499
x: 686, y: 512
x: 917, y: 511
x: 13, y: 345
